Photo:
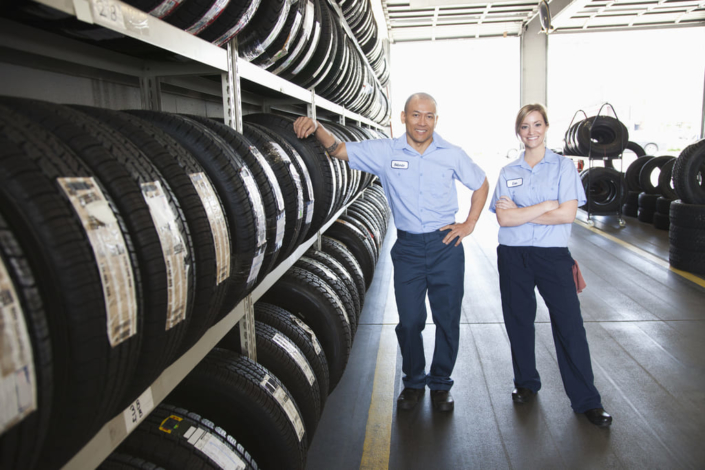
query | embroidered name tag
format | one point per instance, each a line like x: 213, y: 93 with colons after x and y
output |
x: 400, y: 165
x: 515, y: 182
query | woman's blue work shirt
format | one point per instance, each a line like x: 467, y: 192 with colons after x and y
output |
x: 420, y: 188
x: 553, y: 178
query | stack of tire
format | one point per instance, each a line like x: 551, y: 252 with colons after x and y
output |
x: 687, y: 214
x: 126, y: 236
x: 605, y: 188
x: 653, y: 200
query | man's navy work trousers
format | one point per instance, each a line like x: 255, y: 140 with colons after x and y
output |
x: 423, y: 263
x: 521, y: 269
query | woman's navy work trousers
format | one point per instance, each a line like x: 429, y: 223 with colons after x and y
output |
x: 424, y: 264
x: 521, y: 270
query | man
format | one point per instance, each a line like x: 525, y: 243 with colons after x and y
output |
x: 417, y: 171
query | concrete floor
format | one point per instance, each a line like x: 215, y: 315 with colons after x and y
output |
x: 646, y: 329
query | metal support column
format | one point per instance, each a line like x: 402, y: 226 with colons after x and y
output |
x: 151, y: 93
x: 247, y: 330
x: 232, y: 106
x: 702, y: 117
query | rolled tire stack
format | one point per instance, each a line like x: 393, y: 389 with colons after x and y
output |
x: 127, y: 235
x: 651, y: 192
x: 605, y: 188
x: 687, y: 215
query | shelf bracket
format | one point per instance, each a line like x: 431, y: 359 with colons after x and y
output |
x: 247, y: 330
x: 151, y: 93
x: 311, y: 107
x: 232, y: 105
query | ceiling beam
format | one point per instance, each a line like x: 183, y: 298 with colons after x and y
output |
x: 562, y: 10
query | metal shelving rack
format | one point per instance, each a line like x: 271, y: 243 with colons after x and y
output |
x: 204, y: 59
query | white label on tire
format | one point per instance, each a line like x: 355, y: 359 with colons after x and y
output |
x: 256, y: 201
x: 166, y: 7
x: 281, y: 225
x: 299, y: 191
x: 18, y: 387
x: 116, y: 272
x: 329, y: 274
x: 337, y: 302
x: 307, y: 329
x: 296, y: 355
x: 138, y: 410
x: 174, y: 251
x: 256, y: 265
x: 270, y: 176
x: 216, y: 219
x: 286, y: 403
x: 214, y: 448
x: 309, y: 212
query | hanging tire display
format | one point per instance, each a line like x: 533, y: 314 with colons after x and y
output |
x: 175, y: 438
x: 314, y: 302
x: 605, y: 189
x: 301, y: 335
x: 251, y: 405
x: 598, y: 137
x: 689, y: 174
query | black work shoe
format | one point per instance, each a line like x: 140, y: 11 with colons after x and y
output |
x: 409, y: 397
x: 599, y: 417
x: 442, y: 400
x: 522, y: 395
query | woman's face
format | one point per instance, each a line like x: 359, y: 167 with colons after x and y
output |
x: 532, y: 131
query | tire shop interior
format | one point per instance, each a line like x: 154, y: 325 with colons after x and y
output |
x: 185, y: 284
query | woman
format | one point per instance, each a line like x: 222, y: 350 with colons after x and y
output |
x: 536, y: 199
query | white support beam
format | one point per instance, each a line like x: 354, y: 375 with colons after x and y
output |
x: 561, y: 12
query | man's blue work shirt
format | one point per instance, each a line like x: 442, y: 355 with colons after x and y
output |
x: 420, y: 188
x: 554, y: 178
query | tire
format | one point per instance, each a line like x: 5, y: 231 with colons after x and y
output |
x: 359, y: 245
x: 203, y: 212
x: 630, y: 210
x: 306, y: 183
x: 290, y: 185
x: 647, y: 202
x: 665, y: 180
x: 317, y: 161
x: 284, y: 41
x: 605, y: 188
x: 645, y: 174
x: 632, y: 198
x: 634, y: 147
x: 272, y: 198
x: 369, y: 223
x: 306, y: 41
x: 340, y: 271
x: 26, y: 351
x: 687, y: 260
x: 175, y: 438
x: 687, y: 215
x: 251, y: 404
x: 309, y: 298
x: 279, y: 355
x: 156, y: 222
x: 263, y: 29
x: 60, y: 255
x: 603, y: 136
x: 120, y: 461
x: 340, y: 252
x: 645, y: 215
x: 689, y: 174
x: 632, y: 173
x: 301, y: 335
x: 304, y: 72
x: 661, y: 221
x: 238, y: 194
x: 663, y: 205
x: 336, y: 284
x: 692, y: 239
x: 193, y: 16
x: 230, y: 22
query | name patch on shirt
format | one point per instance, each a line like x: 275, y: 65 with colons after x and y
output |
x: 515, y: 182
x: 400, y: 165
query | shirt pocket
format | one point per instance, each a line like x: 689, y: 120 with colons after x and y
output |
x: 441, y: 183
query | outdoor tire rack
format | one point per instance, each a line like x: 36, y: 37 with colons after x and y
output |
x: 204, y: 58
x: 621, y: 190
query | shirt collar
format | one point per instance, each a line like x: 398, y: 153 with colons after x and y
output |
x: 549, y: 157
x: 438, y: 142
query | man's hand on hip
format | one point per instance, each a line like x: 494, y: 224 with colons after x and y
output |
x: 458, y: 231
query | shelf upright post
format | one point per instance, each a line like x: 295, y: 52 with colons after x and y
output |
x: 150, y: 92
x: 232, y: 103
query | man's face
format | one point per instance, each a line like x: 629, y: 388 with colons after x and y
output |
x: 420, y: 119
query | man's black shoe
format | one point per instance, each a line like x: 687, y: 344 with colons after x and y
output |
x: 409, y: 397
x: 442, y: 400
x: 522, y: 395
x: 599, y: 417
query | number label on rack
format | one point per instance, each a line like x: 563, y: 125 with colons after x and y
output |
x: 138, y: 410
x: 108, y: 13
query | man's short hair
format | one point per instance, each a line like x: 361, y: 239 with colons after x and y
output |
x: 421, y: 95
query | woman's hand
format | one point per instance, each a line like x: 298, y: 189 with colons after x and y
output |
x: 505, y: 203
